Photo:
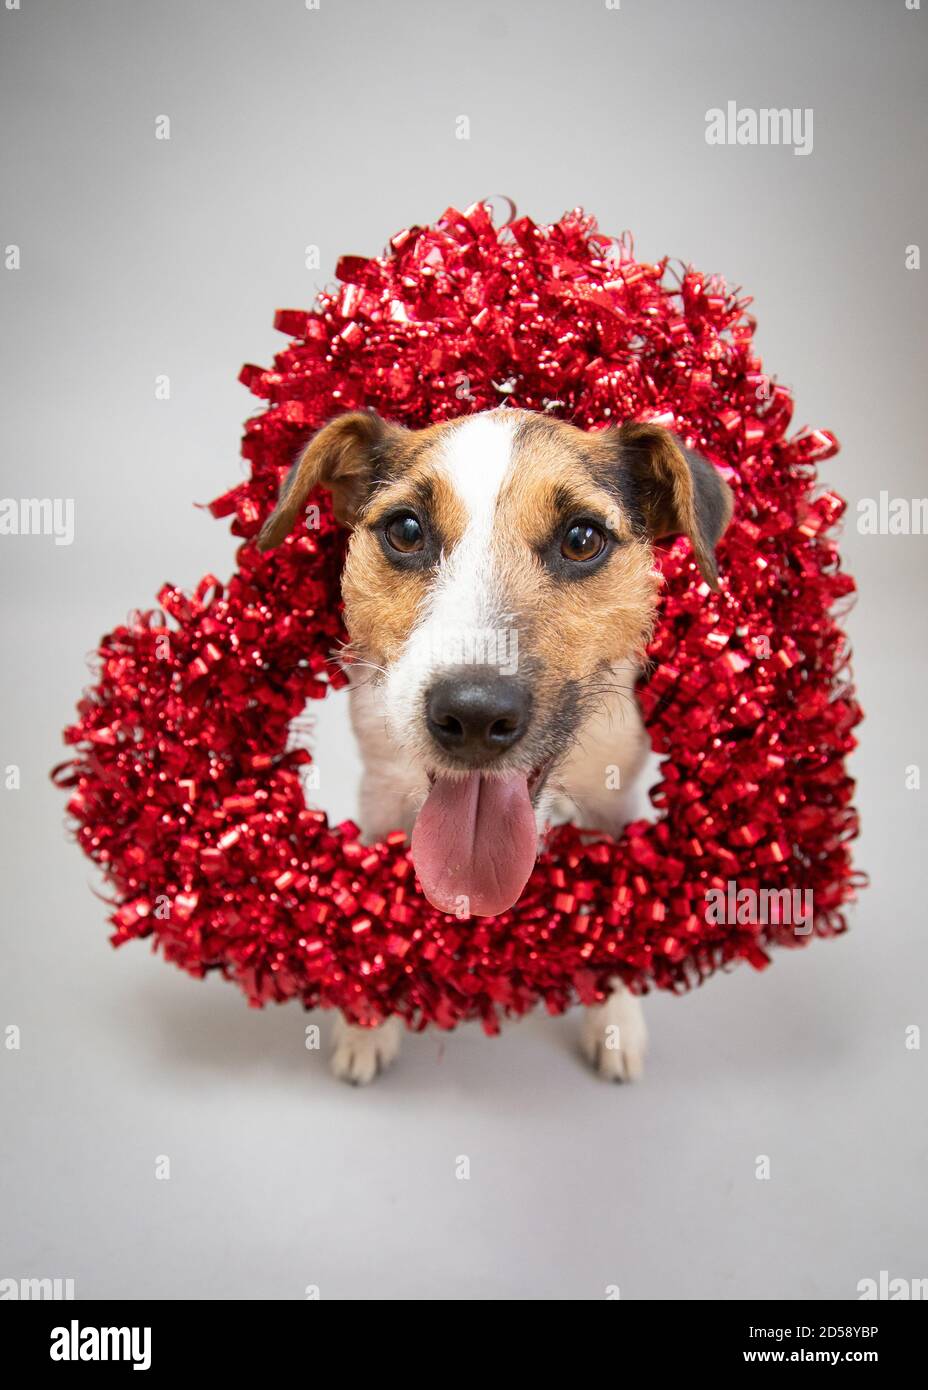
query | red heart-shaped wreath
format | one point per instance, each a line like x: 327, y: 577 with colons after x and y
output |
x: 184, y: 791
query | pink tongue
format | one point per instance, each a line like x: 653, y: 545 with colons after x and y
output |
x: 474, y: 844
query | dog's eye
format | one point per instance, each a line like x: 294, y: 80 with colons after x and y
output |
x: 404, y: 533
x: 582, y: 541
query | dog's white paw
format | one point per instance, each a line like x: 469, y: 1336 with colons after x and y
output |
x: 614, y: 1038
x: 359, y: 1055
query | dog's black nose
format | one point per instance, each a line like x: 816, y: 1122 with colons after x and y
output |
x: 474, y: 714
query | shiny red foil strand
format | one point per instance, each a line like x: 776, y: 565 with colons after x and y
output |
x: 182, y: 789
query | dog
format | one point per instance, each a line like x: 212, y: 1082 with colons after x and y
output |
x: 499, y: 593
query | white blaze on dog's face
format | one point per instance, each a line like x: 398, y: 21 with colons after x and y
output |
x: 499, y: 567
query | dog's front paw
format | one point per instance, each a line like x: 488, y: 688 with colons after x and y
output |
x: 361, y: 1054
x: 614, y: 1038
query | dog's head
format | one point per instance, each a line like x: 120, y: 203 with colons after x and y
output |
x: 499, y: 566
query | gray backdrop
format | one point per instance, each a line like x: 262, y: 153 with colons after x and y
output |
x: 139, y: 257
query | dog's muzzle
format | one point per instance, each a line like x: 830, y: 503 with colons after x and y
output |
x: 475, y: 714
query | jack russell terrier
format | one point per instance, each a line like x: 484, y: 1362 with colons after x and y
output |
x: 515, y: 525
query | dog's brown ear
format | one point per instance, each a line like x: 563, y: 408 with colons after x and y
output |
x: 341, y: 457
x: 678, y: 491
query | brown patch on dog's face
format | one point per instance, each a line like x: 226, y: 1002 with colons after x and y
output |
x: 385, y: 592
x: 582, y: 615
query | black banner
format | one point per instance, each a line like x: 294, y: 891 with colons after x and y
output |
x: 164, y: 1338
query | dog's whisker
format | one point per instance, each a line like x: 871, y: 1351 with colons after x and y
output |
x: 369, y: 666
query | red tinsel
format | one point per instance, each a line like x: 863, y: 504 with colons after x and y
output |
x: 183, y: 790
